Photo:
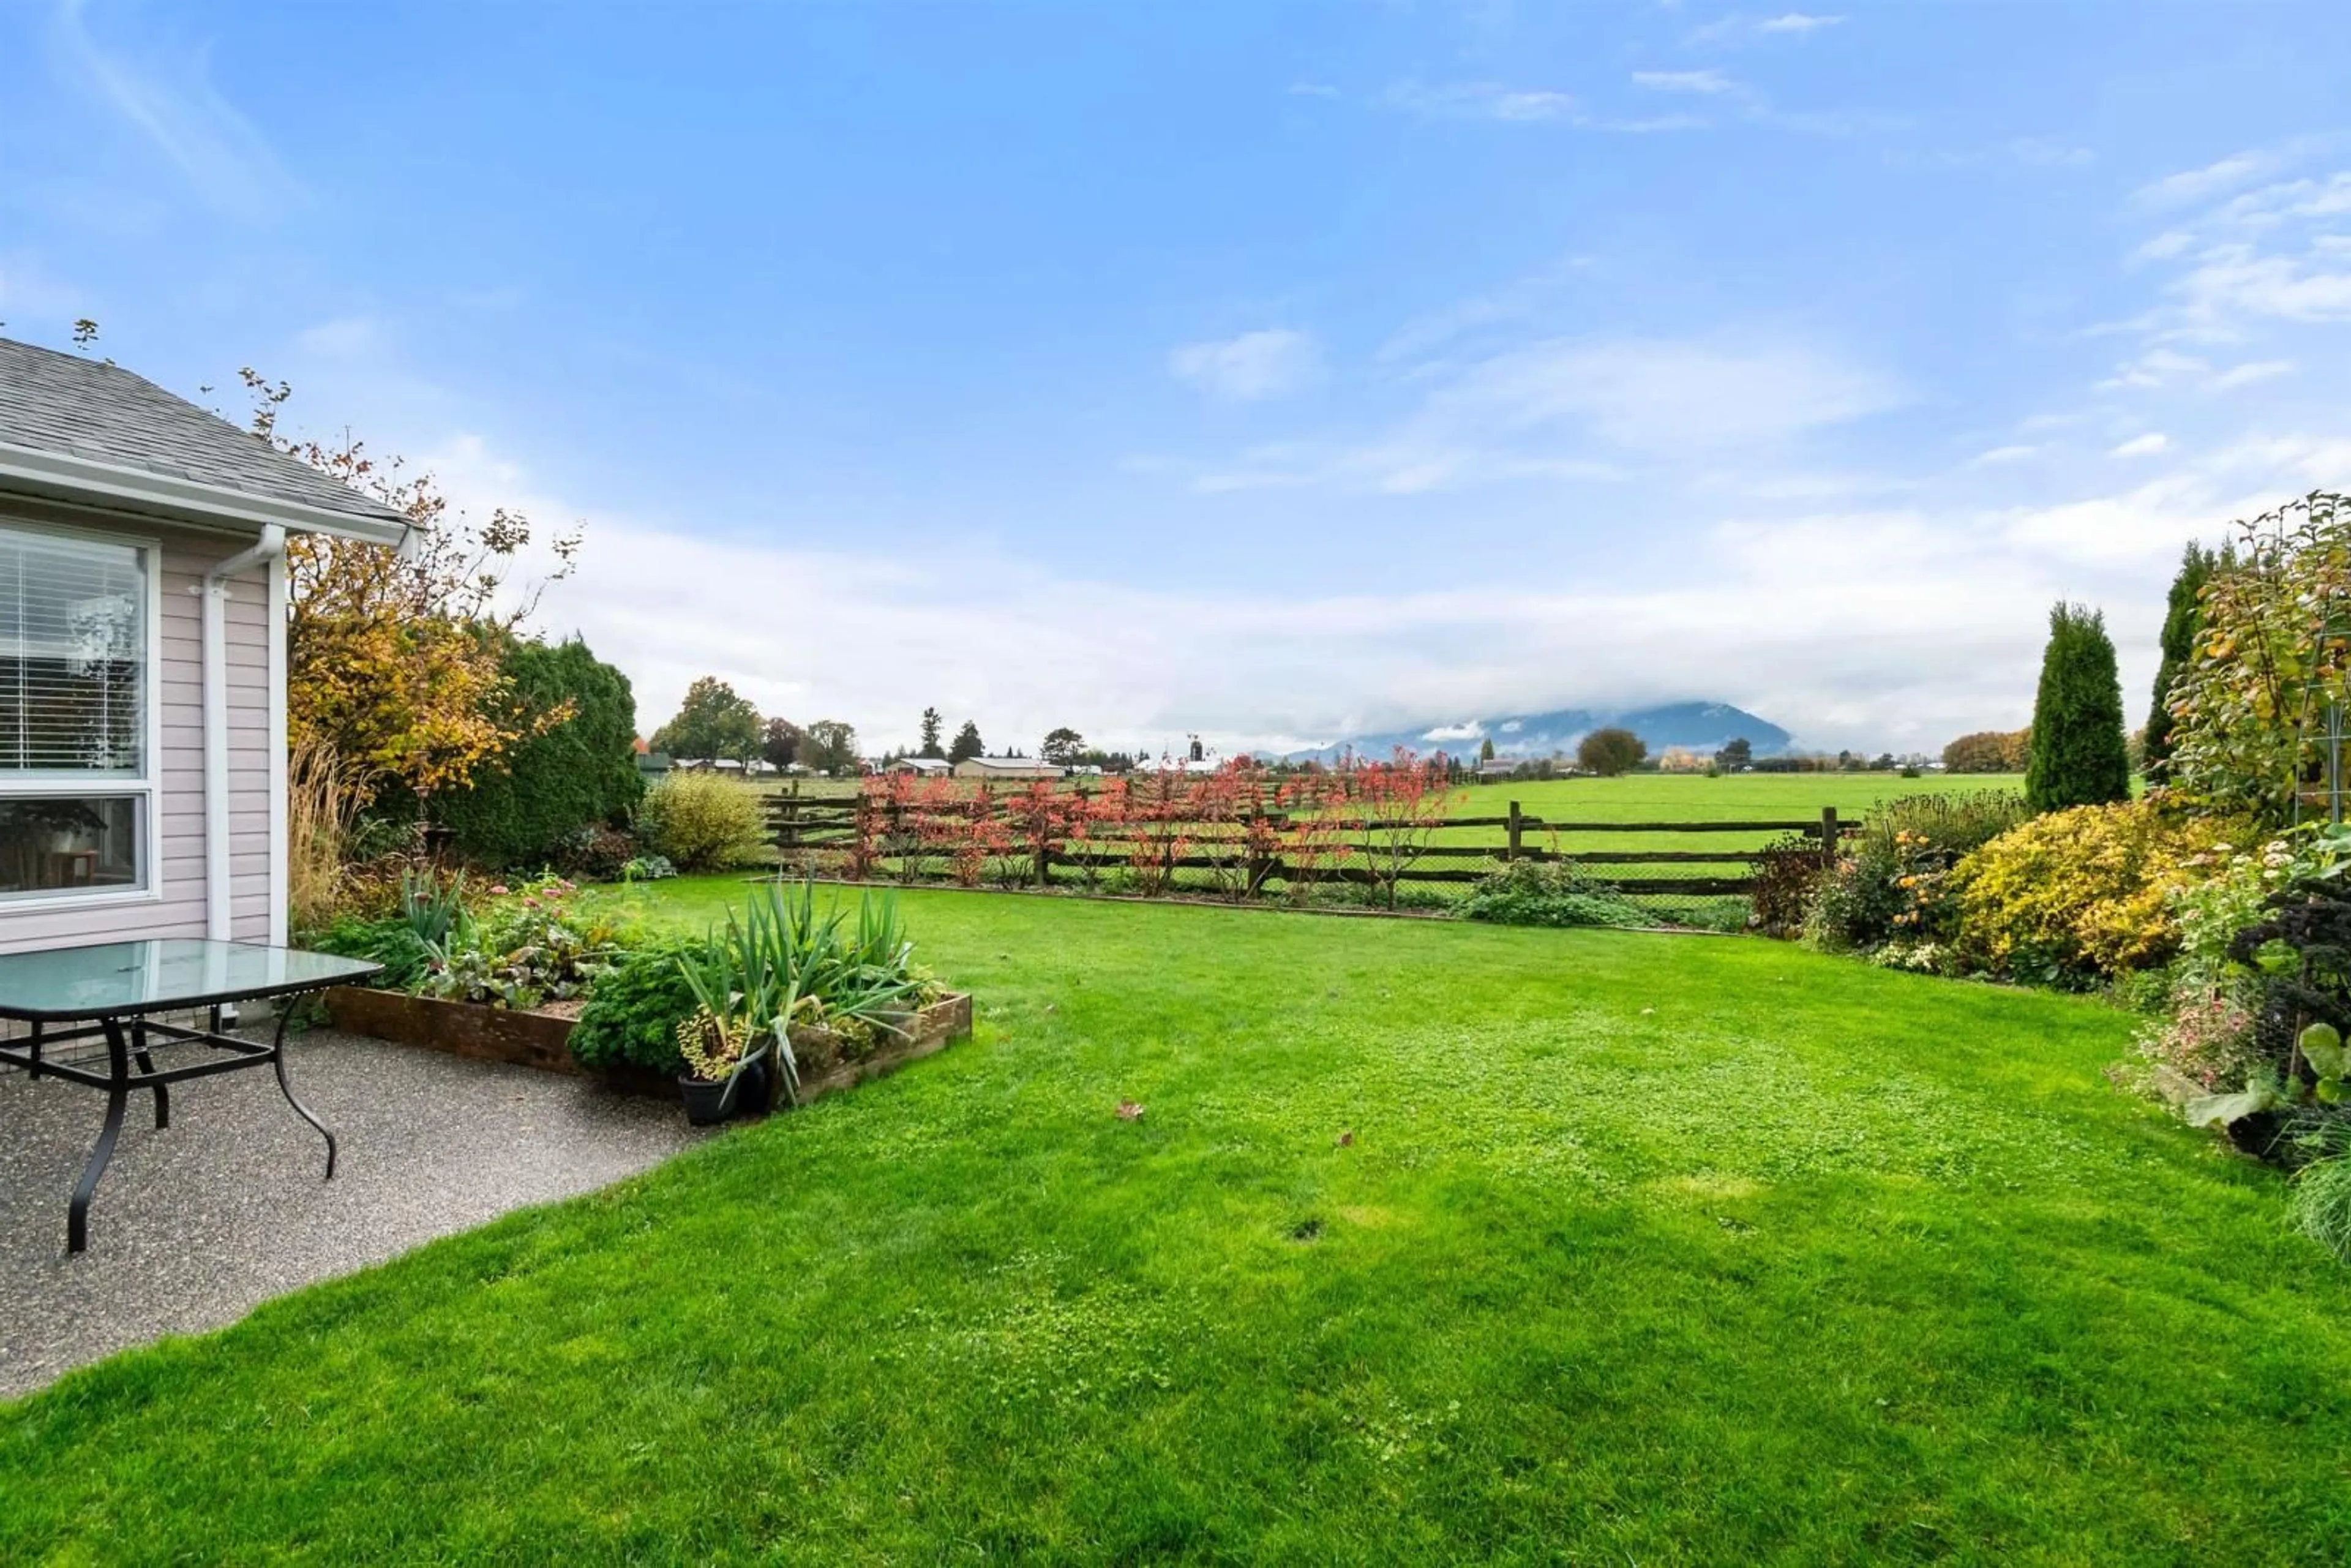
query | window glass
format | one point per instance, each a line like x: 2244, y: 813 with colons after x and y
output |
x: 73, y: 653
x: 65, y: 843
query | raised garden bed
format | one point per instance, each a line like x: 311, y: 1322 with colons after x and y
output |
x: 542, y: 1039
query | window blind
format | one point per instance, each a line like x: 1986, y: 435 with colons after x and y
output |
x: 73, y: 655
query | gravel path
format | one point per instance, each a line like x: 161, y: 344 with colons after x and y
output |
x: 195, y: 1226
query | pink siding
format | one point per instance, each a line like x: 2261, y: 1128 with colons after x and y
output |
x: 177, y: 858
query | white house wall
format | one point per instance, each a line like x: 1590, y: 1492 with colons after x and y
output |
x: 178, y: 908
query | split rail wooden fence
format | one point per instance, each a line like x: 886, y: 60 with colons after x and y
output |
x: 1377, y: 853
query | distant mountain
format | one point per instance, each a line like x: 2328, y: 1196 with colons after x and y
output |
x: 1700, y: 727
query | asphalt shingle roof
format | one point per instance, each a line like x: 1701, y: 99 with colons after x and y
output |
x: 70, y: 406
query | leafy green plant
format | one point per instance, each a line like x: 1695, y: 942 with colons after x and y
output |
x: 634, y: 1009
x: 702, y: 822
x: 428, y: 915
x: 1547, y: 893
x: 433, y: 910
x: 1893, y: 881
x: 648, y: 868
x: 2319, y: 1204
x: 2270, y: 658
x: 533, y: 947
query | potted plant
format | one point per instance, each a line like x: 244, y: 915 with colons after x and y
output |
x: 738, y: 1045
x: 726, y: 1070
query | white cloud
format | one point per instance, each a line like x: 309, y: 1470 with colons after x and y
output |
x: 1513, y: 302
x: 1312, y: 89
x: 2246, y: 374
x: 2191, y: 186
x: 1481, y: 100
x: 1705, y: 81
x: 1667, y: 395
x: 1889, y: 628
x: 2156, y: 368
x: 2231, y: 283
x: 1472, y: 730
x: 2146, y: 445
x: 1999, y: 454
x: 2167, y: 245
x: 1251, y: 368
x: 171, y: 102
x: 1737, y: 29
x: 1598, y: 410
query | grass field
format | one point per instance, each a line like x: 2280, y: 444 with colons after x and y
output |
x: 1435, y: 1243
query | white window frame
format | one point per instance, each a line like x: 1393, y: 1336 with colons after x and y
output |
x: 147, y: 786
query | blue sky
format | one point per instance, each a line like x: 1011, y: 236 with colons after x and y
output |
x: 1270, y: 371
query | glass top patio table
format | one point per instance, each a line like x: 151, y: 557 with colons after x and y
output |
x: 124, y: 979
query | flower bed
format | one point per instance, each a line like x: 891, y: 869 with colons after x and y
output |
x: 829, y: 1060
x: 787, y: 1000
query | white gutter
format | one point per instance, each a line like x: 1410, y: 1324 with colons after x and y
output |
x: 86, y: 480
x: 214, y: 596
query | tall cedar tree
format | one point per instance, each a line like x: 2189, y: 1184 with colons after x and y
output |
x: 2080, y: 755
x: 967, y: 743
x: 2180, y: 620
x: 930, y: 746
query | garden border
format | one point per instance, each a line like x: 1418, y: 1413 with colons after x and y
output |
x: 542, y: 1040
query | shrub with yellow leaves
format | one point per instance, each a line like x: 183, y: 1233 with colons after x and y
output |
x: 2086, y: 894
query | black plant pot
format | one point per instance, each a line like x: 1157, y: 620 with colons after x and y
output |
x: 707, y: 1103
x: 710, y: 1102
x: 754, y: 1089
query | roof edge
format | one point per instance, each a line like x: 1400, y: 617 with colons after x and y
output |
x: 58, y: 476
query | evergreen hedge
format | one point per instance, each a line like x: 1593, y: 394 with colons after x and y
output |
x: 580, y: 773
x: 2080, y: 755
x: 2182, y: 616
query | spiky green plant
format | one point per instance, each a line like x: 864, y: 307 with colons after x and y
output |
x: 779, y: 963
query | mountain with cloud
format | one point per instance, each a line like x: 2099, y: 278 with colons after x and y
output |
x: 1699, y: 725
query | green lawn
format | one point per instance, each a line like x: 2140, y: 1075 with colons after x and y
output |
x: 1643, y: 1249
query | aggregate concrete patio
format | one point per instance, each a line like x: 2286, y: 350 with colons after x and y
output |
x: 195, y: 1226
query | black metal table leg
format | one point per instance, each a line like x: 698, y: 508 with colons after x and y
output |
x: 277, y: 1059
x: 118, y: 1096
x: 147, y: 1064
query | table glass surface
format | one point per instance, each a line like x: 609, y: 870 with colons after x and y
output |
x: 125, y: 978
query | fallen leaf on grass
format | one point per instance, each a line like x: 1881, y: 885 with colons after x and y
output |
x: 1128, y: 1111
x: 1347, y: 1138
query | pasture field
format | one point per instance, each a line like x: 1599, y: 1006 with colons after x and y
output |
x: 1432, y: 1242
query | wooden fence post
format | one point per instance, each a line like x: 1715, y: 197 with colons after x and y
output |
x: 1829, y: 836
x: 1513, y: 851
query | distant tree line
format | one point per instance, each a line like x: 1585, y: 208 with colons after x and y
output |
x: 716, y: 723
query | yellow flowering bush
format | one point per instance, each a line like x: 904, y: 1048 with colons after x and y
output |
x: 2088, y: 892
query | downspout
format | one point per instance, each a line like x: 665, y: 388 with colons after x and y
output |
x: 214, y: 596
